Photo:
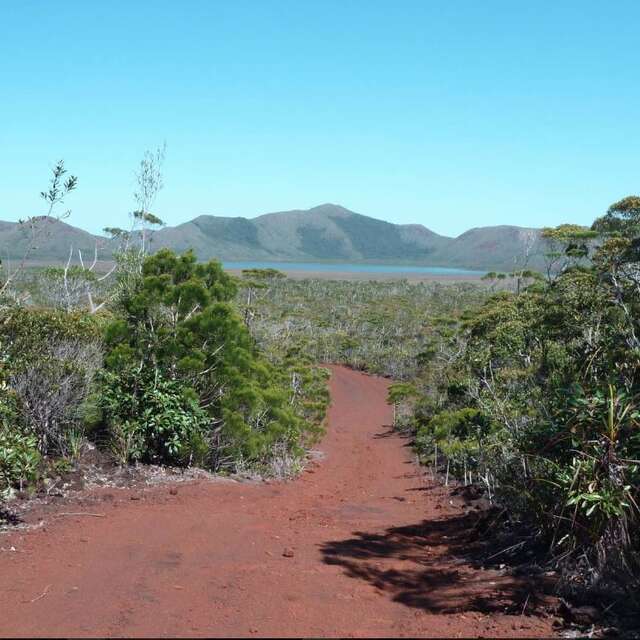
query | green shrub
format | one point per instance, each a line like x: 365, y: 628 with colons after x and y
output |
x: 19, y: 459
x: 157, y: 421
x: 462, y: 438
x: 184, y: 380
x: 554, y: 372
x: 49, y: 360
x: 19, y: 456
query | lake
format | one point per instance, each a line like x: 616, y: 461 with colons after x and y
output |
x: 323, y: 267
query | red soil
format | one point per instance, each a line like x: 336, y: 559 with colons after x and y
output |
x: 360, y: 545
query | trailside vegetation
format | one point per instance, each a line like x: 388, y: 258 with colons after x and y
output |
x: 535, y: 396
x: 183, y: 381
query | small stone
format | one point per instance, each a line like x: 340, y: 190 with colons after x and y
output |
x: 288, y: 553
x: 584, y: 615
x: 173, y: 491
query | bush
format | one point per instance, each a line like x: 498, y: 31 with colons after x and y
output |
x: 553, y: 373
x: 461, y: 437
x: 19, y: 459
x: 50, y: 359
x: 19, y: 456
x: 184, y: 380
x: 156, y: 421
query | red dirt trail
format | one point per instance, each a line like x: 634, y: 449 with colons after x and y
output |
x: 358, y: 546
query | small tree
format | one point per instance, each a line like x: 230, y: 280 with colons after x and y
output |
x: 149, y: 181
x: 567, y: 245
x: 399, y: 393
x: 622, y: 218
x: 36, y: 227
x: 529, y: 237
x: 177, y: 327
x: 254, y: 280
x: 128, y: 256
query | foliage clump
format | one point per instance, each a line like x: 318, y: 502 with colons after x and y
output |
x: 539, y: 401
x: 50, y: 360
x: 151, y: 360
x: 183, y: 380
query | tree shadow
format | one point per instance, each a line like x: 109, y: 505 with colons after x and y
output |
x: 425, y: 566
x: 389, y: 432
x: 392, y: 432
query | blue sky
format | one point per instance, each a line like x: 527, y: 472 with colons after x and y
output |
x: 453, y: 114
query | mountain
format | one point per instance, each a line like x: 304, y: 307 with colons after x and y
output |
x: 330, y: 232
x: 52, y: 241
x: 498, y: 248
x: 327, y: 233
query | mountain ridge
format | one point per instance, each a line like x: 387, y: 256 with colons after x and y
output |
x: 325, y: 233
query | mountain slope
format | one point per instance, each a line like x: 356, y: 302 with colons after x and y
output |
x: 498, y: 248
x: 328, y: 232
x: 53, y: 241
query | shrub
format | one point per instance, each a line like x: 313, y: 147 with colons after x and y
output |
x: 462, y: 437
x: 50, y: 359
x: 19, y: 456
x: 183, y: 375
x: 554, y: 371
x: 157, y: 421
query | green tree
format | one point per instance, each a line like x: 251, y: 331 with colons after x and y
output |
x: 177, y: 326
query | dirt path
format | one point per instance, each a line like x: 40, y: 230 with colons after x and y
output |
x: 356, y: 547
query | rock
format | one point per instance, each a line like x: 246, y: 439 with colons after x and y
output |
x: 288, y: 553
x: 585, y: 615
x: 173, y: 491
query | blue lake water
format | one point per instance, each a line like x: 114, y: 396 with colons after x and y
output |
x: 350, y: 268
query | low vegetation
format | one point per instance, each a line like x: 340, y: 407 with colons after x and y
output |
x: 535, y: 396
x: 379, y: 327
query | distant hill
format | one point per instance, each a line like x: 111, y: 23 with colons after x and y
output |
x: 325, y: 233
x: 54, y: 240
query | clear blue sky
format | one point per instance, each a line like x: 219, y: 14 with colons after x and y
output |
x: 453, y: 114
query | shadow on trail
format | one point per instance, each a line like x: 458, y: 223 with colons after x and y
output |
x: 389, y: 432
x: 425, y: 566
x: 392, y: 432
